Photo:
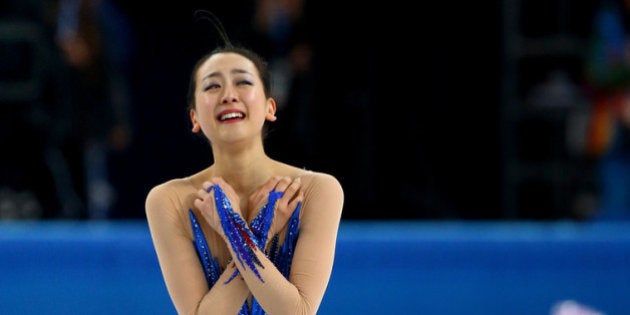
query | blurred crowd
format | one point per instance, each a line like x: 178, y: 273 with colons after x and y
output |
x: 69, y: 101
x: 92, y: 105
x: 65, y: 107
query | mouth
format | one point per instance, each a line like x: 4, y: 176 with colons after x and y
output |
x: 232, y: 115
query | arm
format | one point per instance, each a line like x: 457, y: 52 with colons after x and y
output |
x: 180, y: 265
x: 313, y: 257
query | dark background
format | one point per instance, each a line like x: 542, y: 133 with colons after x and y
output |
x: 405, y: 110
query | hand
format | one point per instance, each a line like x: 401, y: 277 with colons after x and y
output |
x: 206, y: 204
x: 285, y: 205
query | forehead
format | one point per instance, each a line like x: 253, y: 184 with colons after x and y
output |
x: 226, y: 63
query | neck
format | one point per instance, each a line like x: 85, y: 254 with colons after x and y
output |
x: 244, y: 169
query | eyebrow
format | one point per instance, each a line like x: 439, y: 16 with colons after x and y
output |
x: 233, y: 71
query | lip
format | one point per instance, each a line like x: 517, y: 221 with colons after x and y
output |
x: 228, y: 112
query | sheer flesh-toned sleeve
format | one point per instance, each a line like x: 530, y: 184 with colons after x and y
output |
x: 181, y: 269
x: 313, y: 257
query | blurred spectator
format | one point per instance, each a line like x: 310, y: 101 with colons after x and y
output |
x: 608, y: 79
x: 283, y: 36
x: 33, y: 182
x: 94, y: 38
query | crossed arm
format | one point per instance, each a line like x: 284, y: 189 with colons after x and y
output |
x: 301, y: 293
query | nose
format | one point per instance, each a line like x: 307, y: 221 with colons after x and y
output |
x: 229, y: 95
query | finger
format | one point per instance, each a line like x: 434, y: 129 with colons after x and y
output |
x: 287, y: 204
x: 207, y: 211
x: 284, y: 212
x: 271, y: 183
x: 207, y: 186
x: 225, y: 187
x: 263, y: 192
x: 294, y: 203
x: 289, y: 201
x: 290, y: 191
x: 218, y: 181
x: 229, y: 192
x: 283, y: 183
x: 202, y: 205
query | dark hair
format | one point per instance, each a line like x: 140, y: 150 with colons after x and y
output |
x: 227, y: 47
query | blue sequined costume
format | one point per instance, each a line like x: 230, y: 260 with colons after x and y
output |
x: 243, y: 239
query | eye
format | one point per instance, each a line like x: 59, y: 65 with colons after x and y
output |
x: 244, y: 82
x: 211, y: 86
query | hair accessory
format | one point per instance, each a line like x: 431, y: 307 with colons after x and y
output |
x: 205, y: 15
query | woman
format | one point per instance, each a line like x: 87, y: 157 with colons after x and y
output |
x: 248, y: 234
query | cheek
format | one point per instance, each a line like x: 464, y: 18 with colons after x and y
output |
x: 255, y: 101
x: 205, y: 101
x: 250, y: 97
x: 204, y: 108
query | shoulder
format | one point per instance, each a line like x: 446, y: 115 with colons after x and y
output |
x: 311, y: 180
x: 321, y: 187
x: 166, y: 209
x: 323, y: 201
x: 319, y: 180
x: 172, y: 194
x: 167, y: 189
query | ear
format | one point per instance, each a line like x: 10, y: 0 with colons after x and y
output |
x: 195, y: 125
x: 271, y: 110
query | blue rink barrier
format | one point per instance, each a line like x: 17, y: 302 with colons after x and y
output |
x: 389, y: 267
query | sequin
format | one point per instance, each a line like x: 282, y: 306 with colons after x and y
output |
x: 210, y: 265
x: 245, y: 241
x: 240, y: 237
x: 262, y: 223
